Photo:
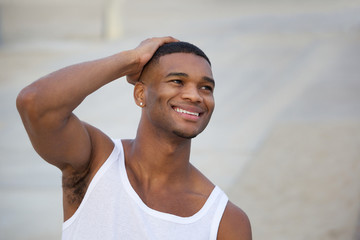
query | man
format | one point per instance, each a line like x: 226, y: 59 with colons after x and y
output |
x: 144, y: 188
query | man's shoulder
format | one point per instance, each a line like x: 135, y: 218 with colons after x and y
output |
x: 234, y: 224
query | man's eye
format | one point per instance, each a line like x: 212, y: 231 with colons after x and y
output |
x: 176, y: 81
x: 208, y: 88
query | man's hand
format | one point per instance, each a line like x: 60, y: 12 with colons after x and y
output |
x: 143, y: 54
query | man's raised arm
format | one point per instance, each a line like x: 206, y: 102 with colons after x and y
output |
x: 47, y: 104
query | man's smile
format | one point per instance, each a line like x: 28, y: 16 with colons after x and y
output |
x: 180, y: 110
x: 189, y: 113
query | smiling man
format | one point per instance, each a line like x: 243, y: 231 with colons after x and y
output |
x: 144, y: 188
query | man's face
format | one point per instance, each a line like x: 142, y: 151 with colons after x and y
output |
x: 179, y: 94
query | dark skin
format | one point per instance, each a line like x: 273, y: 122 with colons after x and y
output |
x: 157, y: 160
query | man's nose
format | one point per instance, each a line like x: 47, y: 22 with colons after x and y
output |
x: 192, y: 94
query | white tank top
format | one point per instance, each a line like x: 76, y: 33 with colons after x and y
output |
x: 111, y: 209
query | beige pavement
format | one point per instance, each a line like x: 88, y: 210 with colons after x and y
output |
x: 284, y: 141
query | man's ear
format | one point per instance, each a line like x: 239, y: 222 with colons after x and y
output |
x: 139, y: 94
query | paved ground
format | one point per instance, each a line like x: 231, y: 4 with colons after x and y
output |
x: 284, y: 141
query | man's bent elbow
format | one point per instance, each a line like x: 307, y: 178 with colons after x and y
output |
x: 29, y: 106
x: 25, y: 101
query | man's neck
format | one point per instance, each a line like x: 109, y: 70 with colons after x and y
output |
x: 162, y: 158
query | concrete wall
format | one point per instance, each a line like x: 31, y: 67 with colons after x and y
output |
x: 23, y: 20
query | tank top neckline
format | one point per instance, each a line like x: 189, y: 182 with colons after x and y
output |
x: 158, y: 214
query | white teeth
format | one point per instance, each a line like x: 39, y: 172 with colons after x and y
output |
x: 187, y: 112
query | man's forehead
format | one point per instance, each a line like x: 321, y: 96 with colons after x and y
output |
x: 181, y: 55
x: 177, y: 62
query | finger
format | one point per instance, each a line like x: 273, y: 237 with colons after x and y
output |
x: 159, y: 40
x: 168, y: 39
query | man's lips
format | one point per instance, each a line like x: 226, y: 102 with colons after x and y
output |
x: 180, y: 110
x: 189, y: 112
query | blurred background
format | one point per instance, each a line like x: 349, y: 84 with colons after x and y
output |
x: 284, y: 140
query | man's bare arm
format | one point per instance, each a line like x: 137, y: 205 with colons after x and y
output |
x: 234, y: 225
x: 46, y: 105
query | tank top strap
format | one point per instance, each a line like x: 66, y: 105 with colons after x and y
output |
x: 218, y: 215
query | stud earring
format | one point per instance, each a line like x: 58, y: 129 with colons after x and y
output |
x: 141, y: 103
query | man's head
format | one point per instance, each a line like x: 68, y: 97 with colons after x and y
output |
x: 174, y: 47
x: 176, y: 89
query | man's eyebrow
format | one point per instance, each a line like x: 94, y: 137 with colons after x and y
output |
x: 181, y: 74
x: 210, y: 80
x: 177, y: 74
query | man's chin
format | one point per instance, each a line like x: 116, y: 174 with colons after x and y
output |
x: 185, y: 135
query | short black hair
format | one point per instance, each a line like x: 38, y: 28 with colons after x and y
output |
x: 178, y: 47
